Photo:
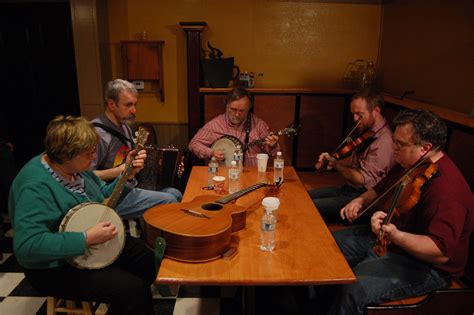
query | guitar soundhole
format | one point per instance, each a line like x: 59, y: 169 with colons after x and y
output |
x: 211, y: 206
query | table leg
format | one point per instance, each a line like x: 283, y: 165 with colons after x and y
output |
x: 248, y: 300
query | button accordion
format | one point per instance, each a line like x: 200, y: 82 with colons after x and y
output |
x: 163, y: 168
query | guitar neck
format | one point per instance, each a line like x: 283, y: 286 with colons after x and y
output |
x: 240, y: 193
x: 114, y: 198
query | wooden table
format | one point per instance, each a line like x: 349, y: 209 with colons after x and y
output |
x: 305, y: 251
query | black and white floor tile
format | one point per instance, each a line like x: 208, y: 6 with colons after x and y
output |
x: 18, y: 297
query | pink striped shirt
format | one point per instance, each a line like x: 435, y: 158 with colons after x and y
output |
x: 377, y: 160
x: 220, y: 126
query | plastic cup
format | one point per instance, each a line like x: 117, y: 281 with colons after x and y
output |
x: 262, y: 160
x: 218, y: 183
x: 271, y: 204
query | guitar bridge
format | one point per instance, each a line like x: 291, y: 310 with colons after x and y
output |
x: 195, y: 213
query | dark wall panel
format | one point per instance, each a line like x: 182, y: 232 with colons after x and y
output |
x: 321, y: 120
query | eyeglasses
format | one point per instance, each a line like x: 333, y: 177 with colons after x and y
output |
x: 235, y: 110
x: 398, y: 144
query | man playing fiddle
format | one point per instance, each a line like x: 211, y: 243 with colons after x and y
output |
x: 237, y: 121
x: 428, y: 244
x: 366, y: 165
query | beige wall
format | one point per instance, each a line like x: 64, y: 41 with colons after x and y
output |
x: 294, y: 44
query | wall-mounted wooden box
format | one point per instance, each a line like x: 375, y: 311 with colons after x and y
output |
x: 143, y: 61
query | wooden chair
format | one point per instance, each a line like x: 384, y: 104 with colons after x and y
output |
x: 458, y: 299
x: 57, y: 305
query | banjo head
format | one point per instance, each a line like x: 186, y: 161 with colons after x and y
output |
x: 228, y: 144
x: 85, y: 216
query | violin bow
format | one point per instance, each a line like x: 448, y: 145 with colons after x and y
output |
x: 380, y: 247
x: 403, y: 177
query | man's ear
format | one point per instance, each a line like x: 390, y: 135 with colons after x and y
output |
x: 377, y: 110
x: 427, y: 147
x: 110, y: 104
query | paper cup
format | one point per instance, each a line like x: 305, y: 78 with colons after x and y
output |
x: 218, y: 183
x: 262, y: 160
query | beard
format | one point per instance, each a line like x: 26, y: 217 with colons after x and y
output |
x: 236, y: 120
x: 369, y: 123
x: 129, y: 120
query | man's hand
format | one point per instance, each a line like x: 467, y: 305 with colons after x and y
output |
x: 376, y: 221
x: 218, y: 154
x: 271, y: 140
x: 390, y: 230
x: 352, y: 209
x: 101, y: 233
x: 322, y: 157
x: 138, y: 161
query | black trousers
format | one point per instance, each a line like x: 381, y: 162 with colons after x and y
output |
x: 125, y: 284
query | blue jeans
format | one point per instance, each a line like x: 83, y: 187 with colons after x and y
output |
x: 137, y: 201
x: 394, y: 276
x: 330, y: 200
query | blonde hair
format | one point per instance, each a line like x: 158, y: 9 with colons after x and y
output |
x: 67, y: 137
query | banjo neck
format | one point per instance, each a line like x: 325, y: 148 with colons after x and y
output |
x: 114, y: 197
x: 286, y: 131
x: 142, y: 135
x: 247, y: 146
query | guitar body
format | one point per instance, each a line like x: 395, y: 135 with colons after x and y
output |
x: 84, y: 216
x: 195, y: 231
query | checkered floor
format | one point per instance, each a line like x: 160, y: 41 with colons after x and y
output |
x: 18, y: 297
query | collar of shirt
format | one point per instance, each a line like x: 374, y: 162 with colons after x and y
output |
x: 377, y: 128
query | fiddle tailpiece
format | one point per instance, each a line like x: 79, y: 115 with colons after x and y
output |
x: 380, y: 248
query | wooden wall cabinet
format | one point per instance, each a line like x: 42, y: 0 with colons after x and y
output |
x: 143, y: 61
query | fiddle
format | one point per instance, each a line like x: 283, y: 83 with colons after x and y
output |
x: 349, y: 145
x: 406, y: 196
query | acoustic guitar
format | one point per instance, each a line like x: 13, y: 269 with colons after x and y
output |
x: 199, y: 230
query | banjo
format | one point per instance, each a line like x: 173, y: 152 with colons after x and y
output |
x: 229, y: 144
x: 86, y: 215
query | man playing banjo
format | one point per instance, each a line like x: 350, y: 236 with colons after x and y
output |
x: 238, y: 123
